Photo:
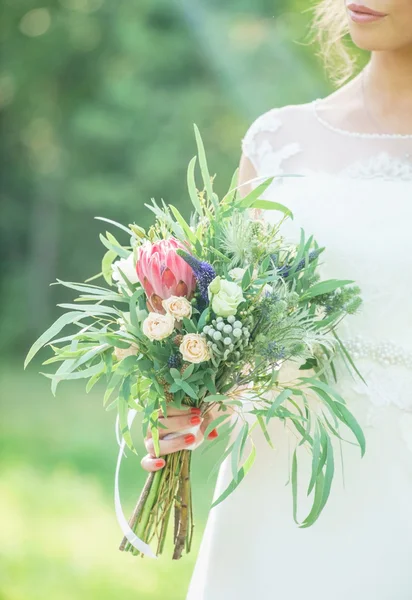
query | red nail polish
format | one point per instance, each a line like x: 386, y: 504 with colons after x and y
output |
x: 213, y: 434
x: 195, y: 420
x: 195, y: 411
x: 189, y: 439
x: 159, y: 463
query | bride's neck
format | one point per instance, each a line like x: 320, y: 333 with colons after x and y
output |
x: 390, y: 75
x: 388, y: 89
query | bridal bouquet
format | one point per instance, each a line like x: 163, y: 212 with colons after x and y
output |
x: 199, y: 314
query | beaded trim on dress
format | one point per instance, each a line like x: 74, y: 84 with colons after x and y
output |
x: 284, y: 141
x: 400, y: 136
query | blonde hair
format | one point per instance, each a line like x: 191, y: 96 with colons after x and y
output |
x: 329, y: 29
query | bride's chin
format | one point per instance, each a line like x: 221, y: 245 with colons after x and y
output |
x: 373, y: 41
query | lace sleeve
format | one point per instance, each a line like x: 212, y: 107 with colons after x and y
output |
x: 263, y: 144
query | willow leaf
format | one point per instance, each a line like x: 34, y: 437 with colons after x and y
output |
x: 269, y: 205
x: 347, y: 417
x: 49, y: 334
x: 203, y: 164
x: 284, y: 395
x: 324, y: 287
x: 116, y: 224
x: 215, y: 423
x: 191, y: 186
x: 241, y: 475
x: 236, y: 450
x: 113, y: 247
x: 189, y: 233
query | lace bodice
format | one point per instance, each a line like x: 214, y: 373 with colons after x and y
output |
x: 297, y: 139
x: 355, y: 196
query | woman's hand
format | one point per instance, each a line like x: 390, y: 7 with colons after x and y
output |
x: 175, y: 421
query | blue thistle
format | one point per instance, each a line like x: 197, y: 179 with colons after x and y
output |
x: 268, y: 302
x: 273, y: 351
x: 285, y: 270
x: 203, y: 272
x: 174, y: 361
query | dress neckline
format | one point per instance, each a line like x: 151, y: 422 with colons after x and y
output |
x: 347, y: 132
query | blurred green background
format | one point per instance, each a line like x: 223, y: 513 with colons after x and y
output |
x: 97, y: 105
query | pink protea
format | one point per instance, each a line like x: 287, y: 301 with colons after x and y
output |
x: 163, y: 273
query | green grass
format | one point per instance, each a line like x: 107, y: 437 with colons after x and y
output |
x: 59, y: 531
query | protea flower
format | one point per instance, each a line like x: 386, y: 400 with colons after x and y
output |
x: 163, y: 273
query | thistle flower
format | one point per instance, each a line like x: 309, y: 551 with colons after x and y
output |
x: 273, y: 351
x: 284, y: 271
x: 204, y: 272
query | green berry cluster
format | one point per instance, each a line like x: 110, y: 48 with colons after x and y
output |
x: 227, y: 337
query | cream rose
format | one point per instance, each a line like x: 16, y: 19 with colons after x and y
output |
x: 158, y: 327
x: 194, y: 348
x: 121, y: 353
x: 178, y: 306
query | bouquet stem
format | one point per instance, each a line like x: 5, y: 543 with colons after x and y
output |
x: 164, y: 490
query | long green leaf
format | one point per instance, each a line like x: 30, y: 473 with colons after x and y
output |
x: 324, y: 287
x: 191, y: 185
x: 107, y: 262
x: 203, y: 164
x: 269, y: 205
x: 189, y: 233
x: 316, y: 448
x: 92, y: 309
x: 294, y: 478
x: 78, y: 375
x: 215, y: 423
x: 116, y: 224
x: 236, y: 450
x: 284, y: 395
x: 113, y: 247
x: 242, y: 474
x: 348, y: 418
x: 123, y: 409
x: 49, y: 334
x: 254, y: 195
x: 264, y: 430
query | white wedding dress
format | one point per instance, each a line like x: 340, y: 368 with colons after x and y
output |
x: 356, y: 198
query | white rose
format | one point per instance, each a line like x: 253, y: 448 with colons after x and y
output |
x: 158, y: 327
x: 225, y: 297
x: 128, y: 268
x: 178, y: 306
x: 237, y: 273
x: 194, y: 348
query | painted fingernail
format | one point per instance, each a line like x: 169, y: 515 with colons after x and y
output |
x: 189, y: 439
x: 195, y: 420
x: 213, y: 434
x: 159, y: 464
x: 195, y: 411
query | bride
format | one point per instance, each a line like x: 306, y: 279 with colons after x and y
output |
x: 354, y: 150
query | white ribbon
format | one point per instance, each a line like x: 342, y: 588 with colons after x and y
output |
x: 124, y: 525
